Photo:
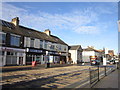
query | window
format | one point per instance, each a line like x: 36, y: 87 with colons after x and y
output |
x: 12, y: 53
x: 59, y: 47
x: 2, y: 53
x: 41, y: 43
x: 8, y: 53
x: 27, y: 42
x: 2, y: 38
x: 46, y: 44
x: 64, y: 48
x: 15, y: 40
x: 56, y: 47
x: 52, y: 47
x: 32, y: 42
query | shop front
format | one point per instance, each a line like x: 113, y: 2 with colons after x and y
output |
x: 63, y: 58
x: 12, y: 56
x: 54, y: 57
x: 35, y: 55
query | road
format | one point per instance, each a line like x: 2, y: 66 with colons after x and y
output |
x: 58, y: 77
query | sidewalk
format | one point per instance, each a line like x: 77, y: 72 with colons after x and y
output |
x: 110, y: 81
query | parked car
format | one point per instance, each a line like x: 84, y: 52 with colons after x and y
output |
x: 95, y: 62
x: 111, y: 61
x: 108, y: 61
x: 116, y: 60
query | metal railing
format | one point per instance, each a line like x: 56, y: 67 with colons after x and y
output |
x: 94, y: 75
x: 98, y: 72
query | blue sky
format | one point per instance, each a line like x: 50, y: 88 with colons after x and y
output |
x: 81, y: 23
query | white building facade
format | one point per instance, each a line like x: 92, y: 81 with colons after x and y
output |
x: 76, y: 54
x: 91, y: 52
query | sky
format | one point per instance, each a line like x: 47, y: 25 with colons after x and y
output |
x: 76, y: 23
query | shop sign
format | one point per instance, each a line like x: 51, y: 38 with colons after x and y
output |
x: 34, y: 50
x: 53, y: 52
x: 12, y: 49
x: 63, y: 54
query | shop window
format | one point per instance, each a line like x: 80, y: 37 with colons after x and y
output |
x: 2, y: 53
x: 8, y: 53
x: 15, y: 53
x: 11, y: 53
x: 15, y: 40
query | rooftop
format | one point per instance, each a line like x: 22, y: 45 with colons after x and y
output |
x: 75, y: 47
x: 9, y: 27
x: 92, y: 49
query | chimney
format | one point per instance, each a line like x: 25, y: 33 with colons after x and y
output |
x: 48, y: 32
x: 15, y: 21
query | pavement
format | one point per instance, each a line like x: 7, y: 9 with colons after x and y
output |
x: 110, y: 81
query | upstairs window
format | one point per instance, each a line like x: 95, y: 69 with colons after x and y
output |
x: 52, y: 47
x: 60, y: 47
x: 32, y: 42
x: 2, y: 38
x: 15, y: 40
x: 41, y: 43
x: 64, y: 48
x: 46, y: 44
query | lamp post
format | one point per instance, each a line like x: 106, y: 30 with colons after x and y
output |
x: 47, y: 59
x: 47, y: 56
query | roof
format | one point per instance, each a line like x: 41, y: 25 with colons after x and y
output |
x: 111, y: 51
x: 75, y: 47
x: 7, y: 24
x: 9, y: 27
x: 92, y: 49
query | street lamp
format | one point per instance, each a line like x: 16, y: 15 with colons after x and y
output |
x: 47, y: 59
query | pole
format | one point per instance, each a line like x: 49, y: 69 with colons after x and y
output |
x: 98, y: 73
x: 90, y: 76
x: 105, y: 71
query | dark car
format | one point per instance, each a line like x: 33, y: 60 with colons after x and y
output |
x: 95, y: 62
x: 112, y: 62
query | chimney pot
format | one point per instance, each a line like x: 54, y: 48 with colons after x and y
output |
x: 15, y: 21
x: 48, y: 32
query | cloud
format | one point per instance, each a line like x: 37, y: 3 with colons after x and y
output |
x: 87, y: 29
x: 76, y: 21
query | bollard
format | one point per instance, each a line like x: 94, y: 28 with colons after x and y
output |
x: 117, y: 65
